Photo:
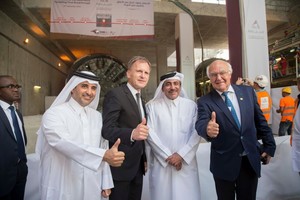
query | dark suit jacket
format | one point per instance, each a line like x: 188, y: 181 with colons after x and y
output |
x: 8, y: 154
x: 120, y: 117
x: 232, y: 141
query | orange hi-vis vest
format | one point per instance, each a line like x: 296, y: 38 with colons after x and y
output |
x: 265, y: 103
x: 288, y: 105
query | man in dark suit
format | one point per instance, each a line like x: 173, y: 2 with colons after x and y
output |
x: 230, y: 118
x: 123, y: 118
x: 13, y: 167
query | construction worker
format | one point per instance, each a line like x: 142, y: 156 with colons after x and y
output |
x: 263, y: 97
x: 287, y: 110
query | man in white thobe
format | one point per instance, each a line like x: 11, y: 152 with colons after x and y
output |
x: 72, y: 151
x: 296, y: 143
x: 173, y: 141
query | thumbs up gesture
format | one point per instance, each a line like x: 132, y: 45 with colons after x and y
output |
x: 114, y: 157
x: 141, y: 132
x: 212, y: 126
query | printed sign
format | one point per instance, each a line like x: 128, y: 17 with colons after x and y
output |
x: 103, y: 18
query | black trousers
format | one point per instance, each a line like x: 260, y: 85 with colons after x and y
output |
x: 244, y: 187
x: 18, y: 190
x: 128, y: 190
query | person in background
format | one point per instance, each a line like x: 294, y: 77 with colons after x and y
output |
x: 263, y: 97
x: 124, y: 117
x: 274, y: 67
x: 13, y: 160
x: 295, y: 142
x: 173, y: 142
x: 297, y: 100
x: 287, y: 111
x: 74, y: 157
x: 297, y: 57
x: 230, y: 118
x: 283, y: 64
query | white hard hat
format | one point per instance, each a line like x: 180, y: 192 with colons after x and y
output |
x: 261, y: 80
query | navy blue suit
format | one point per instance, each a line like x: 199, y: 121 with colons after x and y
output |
x: 10, y: 167
x: 227, y: 147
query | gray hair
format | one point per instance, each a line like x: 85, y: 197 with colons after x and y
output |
x: 227, y: 63
x: 137, y: 58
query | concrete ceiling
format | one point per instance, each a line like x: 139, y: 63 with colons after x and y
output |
x: 34, y: 17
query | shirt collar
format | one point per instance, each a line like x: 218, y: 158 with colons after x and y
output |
x: 76, y: 106
x: 5, y: 105
x: 230, y: 90
x: 174, y: 102
x: 132, y: 89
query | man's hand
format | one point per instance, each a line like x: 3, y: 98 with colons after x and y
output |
x: 249, y: 82
x: 105, y: 193
x: 239, y: 81
x: 146, y: 166
x: 265, y: 158
x: 114, y: 157
x: 279, y: 110
x: 212, y: 127
x: 175, y: 160
x: 141, y: 132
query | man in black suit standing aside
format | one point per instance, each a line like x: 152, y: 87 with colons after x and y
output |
x: 13, y: 167
x: 124, y: 117
x: 231, y: 119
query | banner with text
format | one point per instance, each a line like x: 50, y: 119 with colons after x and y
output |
x: 255, y: 38
x: 103, y: 18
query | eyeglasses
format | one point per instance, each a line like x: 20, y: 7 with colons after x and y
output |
x: 215, y: 75
x: 12, y: 86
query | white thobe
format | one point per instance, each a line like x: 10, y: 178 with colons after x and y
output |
x: 296, y: 142
x: 71, y: 162
x: 172, y: 130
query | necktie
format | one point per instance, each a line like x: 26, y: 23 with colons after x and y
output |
x: 231, y: 108
x: 138, y: 96
x: 21, y: 148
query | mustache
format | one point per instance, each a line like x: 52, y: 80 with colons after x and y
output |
x: 87, y: 94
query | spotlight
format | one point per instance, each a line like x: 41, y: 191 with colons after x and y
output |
x: 26, y: 41
x: 36, y: 87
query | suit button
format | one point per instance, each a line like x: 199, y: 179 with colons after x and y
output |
x: 242, y: 137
